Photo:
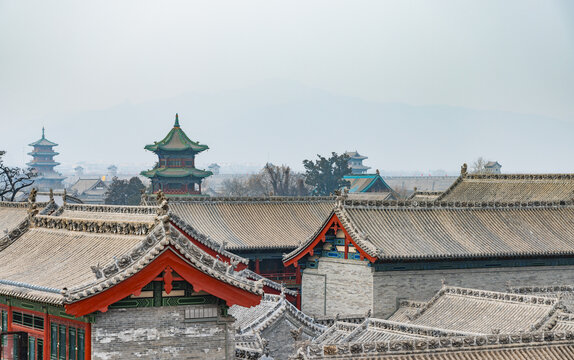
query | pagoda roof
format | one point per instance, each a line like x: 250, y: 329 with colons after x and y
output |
x: 176, y: 173
x: 43, y: 141
x: 355, y: 155
x: 176, y: 140
x: 42, y: 163
x: 43, y: 153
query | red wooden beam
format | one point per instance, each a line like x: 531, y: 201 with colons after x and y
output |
x: 335, y: 223
x: 199, y: 280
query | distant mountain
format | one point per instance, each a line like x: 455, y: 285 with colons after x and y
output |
x: 285, y: 123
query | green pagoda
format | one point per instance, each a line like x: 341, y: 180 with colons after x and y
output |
x: 43, y: 164
x: 175, y: 172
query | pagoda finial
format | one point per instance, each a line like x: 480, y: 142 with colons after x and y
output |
x: 176, y: 120
x: 43, y: 133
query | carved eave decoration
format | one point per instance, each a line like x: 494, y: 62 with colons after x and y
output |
x: 336, y: 221
x: 205, y: 242
x: 165, y: 248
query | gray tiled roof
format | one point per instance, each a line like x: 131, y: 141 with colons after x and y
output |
x: 440, y: 230
x: 511, y: 188
x: 255, y: 223
x: 525, y: 346
x: 271, y: 308
x: 483, y: 312
x: 62, y: 260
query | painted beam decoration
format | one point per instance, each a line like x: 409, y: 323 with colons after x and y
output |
x: 61, y: 267
x: 336, y: 242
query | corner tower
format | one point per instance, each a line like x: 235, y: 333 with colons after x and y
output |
x: 44, y: 164
x: 175, y: 172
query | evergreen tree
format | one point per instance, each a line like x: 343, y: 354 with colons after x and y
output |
x: 124, y: 192
x: 325, y: 175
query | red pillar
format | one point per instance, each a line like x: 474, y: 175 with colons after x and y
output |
x: 257, y: 266
x: 9, y: 319
x: 298, y: 282
x: 47, y: 342
x: 88, y: 340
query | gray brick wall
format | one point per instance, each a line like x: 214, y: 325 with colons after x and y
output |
x: 160, y: 333
x: 281, y: 342
x: 423, y: 284
x: 347, y: 283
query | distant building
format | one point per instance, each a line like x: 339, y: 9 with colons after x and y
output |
x: 43, y: 163
x: 78, y: 171
x: 492, y: 167
x: 356, y: 162
x: 175, y: 173
x: 369, y: 183
x: 89, y: 191
x: 112, y: 172
x: 214, y: 168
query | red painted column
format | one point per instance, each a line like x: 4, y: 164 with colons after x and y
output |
x: 47, y: 342
x: 298, y: 282
x: 257, y: 266
x: 88, y: 340
x: 9, y: 319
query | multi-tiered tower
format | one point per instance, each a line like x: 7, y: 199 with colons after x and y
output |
x: 43, y: 163
x: 175, y: 171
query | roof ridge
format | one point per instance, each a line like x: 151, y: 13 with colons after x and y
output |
x: 413, y: 329
x: 412, y: 204
x: 125, y: 227
x: 498, y: 295
x: 451, y: 343
x: 21, y: 204
x: 521, y: 176
x: 126, y: 209
x: 245, y: 199
x: 541, y: 289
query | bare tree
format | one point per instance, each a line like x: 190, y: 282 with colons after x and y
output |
x: 13, y: 180
x: 285, y: 183
x: 271, y: 180
x: 253, y: 185
x: 478, y: 166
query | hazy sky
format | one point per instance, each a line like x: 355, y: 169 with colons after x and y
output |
x: 66, y: 57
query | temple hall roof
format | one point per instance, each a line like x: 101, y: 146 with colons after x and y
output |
x: 485, y: 312
x: 254, y: 223
x: 271, y: 308
x: 511, y: 188
x: 440, y: 230
x: 85, y: 185
x: 363, y: 182
x: 424, y: 195
x: 63, y: 260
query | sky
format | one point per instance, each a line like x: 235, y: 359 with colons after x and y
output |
x: 64, y: 62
